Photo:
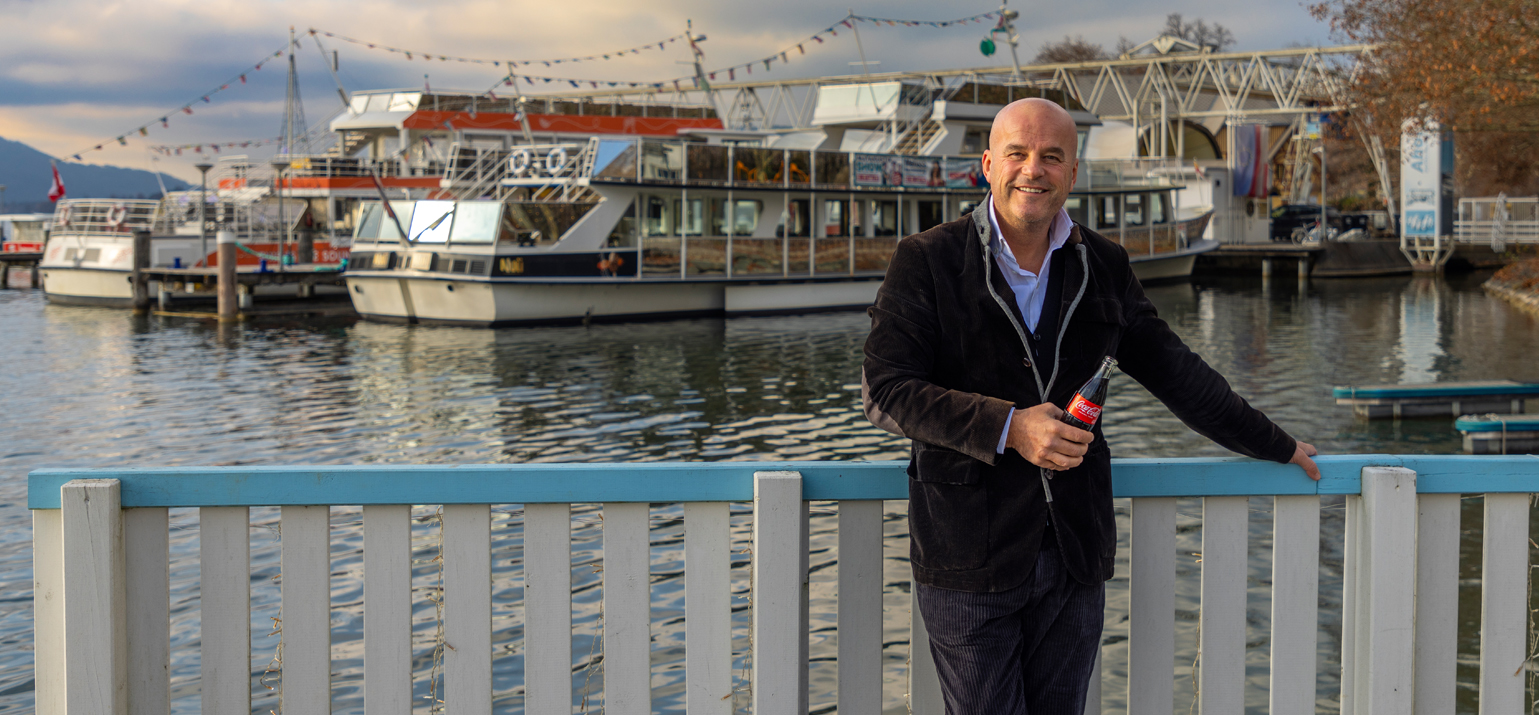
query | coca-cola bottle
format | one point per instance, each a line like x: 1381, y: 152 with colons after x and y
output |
x: 1085, y: 409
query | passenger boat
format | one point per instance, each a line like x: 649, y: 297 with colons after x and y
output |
x: 691, y: 220
x: 89, y: 254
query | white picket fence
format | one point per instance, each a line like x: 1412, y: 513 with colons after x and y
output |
x: 102, y: 613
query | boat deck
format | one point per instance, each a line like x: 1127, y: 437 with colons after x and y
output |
x: 1499, y: 434
x: 1437, y: 399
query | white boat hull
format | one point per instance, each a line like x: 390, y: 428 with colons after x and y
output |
x: 87, y: 286
x: 1170, y: 267
x: 505, y: 303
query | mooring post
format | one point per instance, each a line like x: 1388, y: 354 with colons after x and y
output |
x: 5, y: 275
x: 36, y: 273
x: 227, y: 298
x: 141, y: 289
x: 304, y: 247
x: 1266, y: 268
x: 1304, y: 267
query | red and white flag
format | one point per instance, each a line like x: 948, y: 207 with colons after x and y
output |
x: 56, y: 191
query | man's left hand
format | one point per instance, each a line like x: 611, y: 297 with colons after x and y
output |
x: 1301, y: 457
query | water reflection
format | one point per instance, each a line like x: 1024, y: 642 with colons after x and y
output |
x: 91, y: 388
x: 1421, y: 331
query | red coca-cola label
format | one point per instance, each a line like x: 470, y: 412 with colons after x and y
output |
x: 1084, y: 410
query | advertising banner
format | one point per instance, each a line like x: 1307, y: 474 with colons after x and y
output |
x: 964, y: 173
x: 870, y: 169
x: 921, y: 172
x: 1426, y: 167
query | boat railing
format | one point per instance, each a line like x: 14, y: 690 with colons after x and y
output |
x: 1498, y: 220
x: 104, y: 216
x: 748, y: 257
x: 735, y: 536
x: 732, y: 166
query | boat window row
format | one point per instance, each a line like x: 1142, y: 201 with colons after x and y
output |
x: 627, y: 160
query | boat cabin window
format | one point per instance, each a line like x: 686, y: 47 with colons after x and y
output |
x: 1159, y: 211
x: 1076, y: 206
x: 884, y: 218
x: 835, y: 223
x: 375, y: 225
x: 794, y: 220
x: 1133, y: 209
x: 431, y: 222
x: 745, y: 216
x: 975, y: 140
x: 692, y: 215
x: 930, y: 215
x: 1107, y: 217
x: 659, y: 217
x: 477, y: 222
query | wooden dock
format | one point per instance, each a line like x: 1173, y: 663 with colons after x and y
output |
x: 1439, y: 399
x: 9, y: 260
x: 189, y: 292
x: 1499, y: 434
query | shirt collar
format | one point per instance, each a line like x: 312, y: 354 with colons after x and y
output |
x: 1057, y: 233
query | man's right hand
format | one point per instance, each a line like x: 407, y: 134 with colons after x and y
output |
x: 1039, y: 435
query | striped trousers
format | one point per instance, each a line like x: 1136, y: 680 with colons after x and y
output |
x: 1025, y: 651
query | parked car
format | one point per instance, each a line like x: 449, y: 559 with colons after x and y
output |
x: 1288, y: 217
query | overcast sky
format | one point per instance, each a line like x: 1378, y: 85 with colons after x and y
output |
x: 77, y: 73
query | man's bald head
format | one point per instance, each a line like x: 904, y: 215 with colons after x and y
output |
x: 1031, y: 164
x: 1034, y: 111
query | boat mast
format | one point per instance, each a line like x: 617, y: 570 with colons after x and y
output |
x: 293, y: 130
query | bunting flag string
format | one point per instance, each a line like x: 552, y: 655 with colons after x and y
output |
x: 892, y: 22
x: 212, y: 147
x: 430, y: 56
x: 730, y: 73
x: 164, y: 120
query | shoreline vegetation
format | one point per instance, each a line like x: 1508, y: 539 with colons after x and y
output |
x: 1518, y: 283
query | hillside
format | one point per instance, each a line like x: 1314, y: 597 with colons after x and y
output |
x: 24, y: 172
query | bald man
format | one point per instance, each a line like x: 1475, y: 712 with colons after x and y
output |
x: 981, y: 333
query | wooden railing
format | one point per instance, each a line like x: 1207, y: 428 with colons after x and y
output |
x: 102, y: 617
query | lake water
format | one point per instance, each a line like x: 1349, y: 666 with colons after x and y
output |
x: 95, y: 388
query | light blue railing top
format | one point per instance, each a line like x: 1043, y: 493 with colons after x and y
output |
x: 733, y: 481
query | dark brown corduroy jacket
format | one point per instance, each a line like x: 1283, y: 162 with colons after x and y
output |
x: 948, y: 357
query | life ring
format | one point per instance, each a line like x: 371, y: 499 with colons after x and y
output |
x: 117, y: 215
x: 555, y: 160
x: 519, y: 163
x: 62, y: 219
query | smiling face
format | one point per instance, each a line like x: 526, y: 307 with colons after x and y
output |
x: 1031, y: 162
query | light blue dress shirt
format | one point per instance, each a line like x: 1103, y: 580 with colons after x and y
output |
x: 1030, y: 288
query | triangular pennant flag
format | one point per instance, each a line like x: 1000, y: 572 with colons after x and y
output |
x: 243, y: 79
x: 164, y: 124
x: 143, y: 132
x: 187, y: 110
x: 819, y: 39
x: 801, y: 49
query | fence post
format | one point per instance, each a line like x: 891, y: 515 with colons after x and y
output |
x: 779, y: 590
x: 924, y: 695
x: 1504, y: 603
x: 48, y: 611
x: 95, y: 607
x: 1381, y: 657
